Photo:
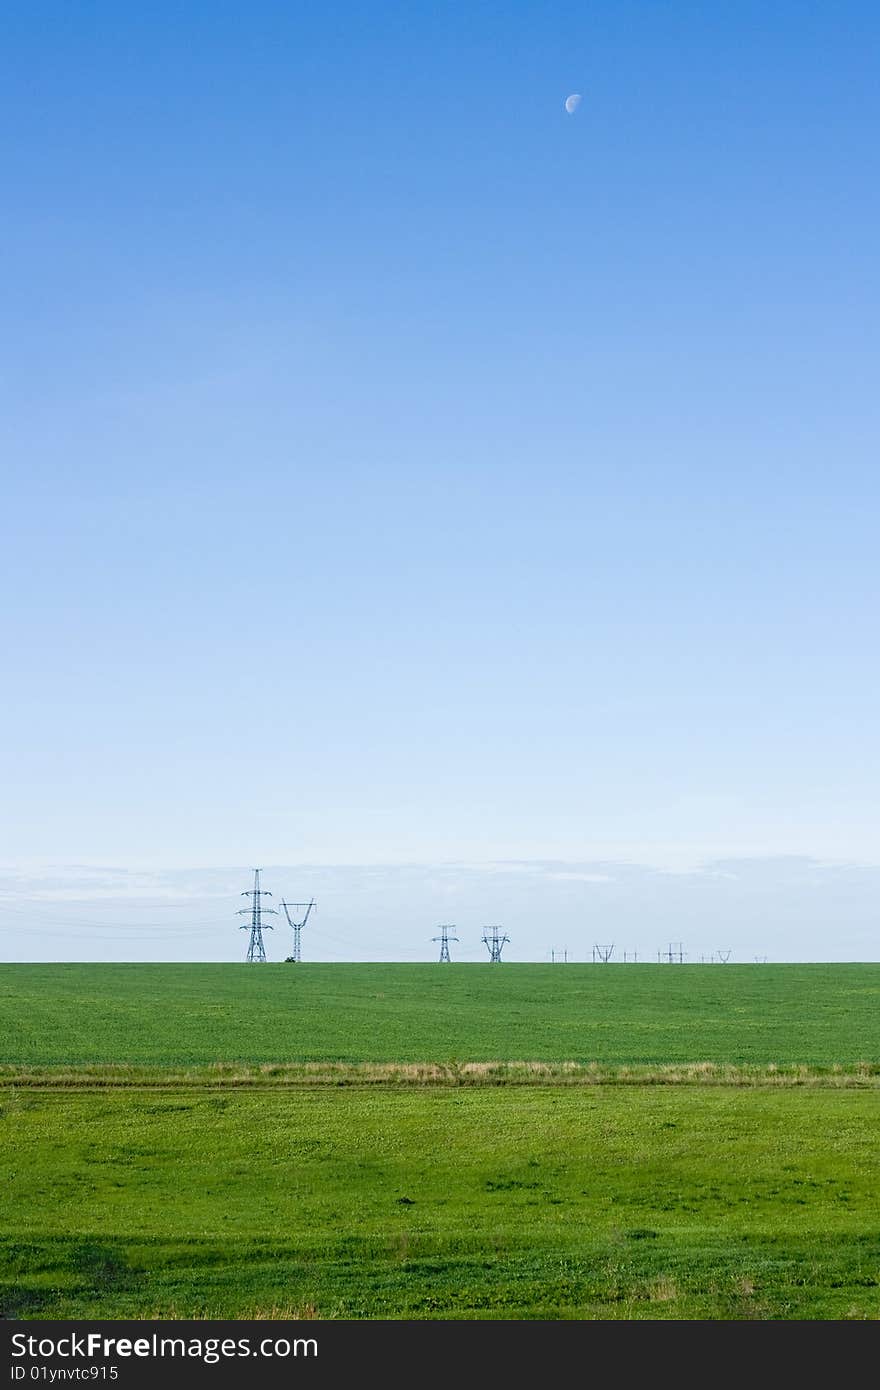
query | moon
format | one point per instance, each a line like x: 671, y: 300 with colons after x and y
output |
x: 572, y: 103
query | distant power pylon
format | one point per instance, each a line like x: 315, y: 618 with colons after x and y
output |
x: 444, y: 938
x: 296, y: 925
x: 602, y: 953
x: 723, y: 956
x: 256, y: 949
x: 494, y: 944
x: 631, y: 955
x: 559, y: 957
x: 673, y: 954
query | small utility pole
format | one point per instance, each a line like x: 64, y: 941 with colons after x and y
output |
x: 673, y: 954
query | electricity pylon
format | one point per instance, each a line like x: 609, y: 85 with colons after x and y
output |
x: 673, y: 954
x: 256, y: 949
x: 297, y: 926
x: 494, y: 944
x: 444, y: 938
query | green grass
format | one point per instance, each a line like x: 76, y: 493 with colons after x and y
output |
x: 172, y: 1015
x: 465, y: 1141
x: 527, y: 1202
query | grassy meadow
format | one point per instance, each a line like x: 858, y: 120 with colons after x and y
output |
x: 170, y: 1015
x: 537, y: 1202
x: 390, y: 1141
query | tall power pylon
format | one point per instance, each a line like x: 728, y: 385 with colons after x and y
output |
x: 494, y: 944
x: 256, y: 949
x: 297, y: 926
x: 602, y: 953
x: 444, y: 938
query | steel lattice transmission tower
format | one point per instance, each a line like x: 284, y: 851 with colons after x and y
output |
x: 494, y: 944
x: 444, y: 938
x: 297, y: 926
x: 256, y: 949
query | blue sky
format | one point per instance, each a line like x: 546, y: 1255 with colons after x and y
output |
x: 401, y: 472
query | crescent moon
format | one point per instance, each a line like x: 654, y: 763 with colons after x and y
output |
x: 572, y: 103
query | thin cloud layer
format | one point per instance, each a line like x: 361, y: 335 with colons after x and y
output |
x: 785, y: 908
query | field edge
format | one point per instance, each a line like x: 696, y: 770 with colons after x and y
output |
x: 279, y: 1075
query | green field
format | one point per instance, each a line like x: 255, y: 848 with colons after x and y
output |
x: 672, y: 1202
x: 395, y: 1141
x: 167, y: 1015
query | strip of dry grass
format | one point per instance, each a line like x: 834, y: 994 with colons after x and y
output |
x: 230, y: 1075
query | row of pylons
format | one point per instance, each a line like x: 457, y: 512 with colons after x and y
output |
x: 256, y: 912
x: 492, y: 938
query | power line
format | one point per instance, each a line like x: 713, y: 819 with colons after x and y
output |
x: 70, y: 919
